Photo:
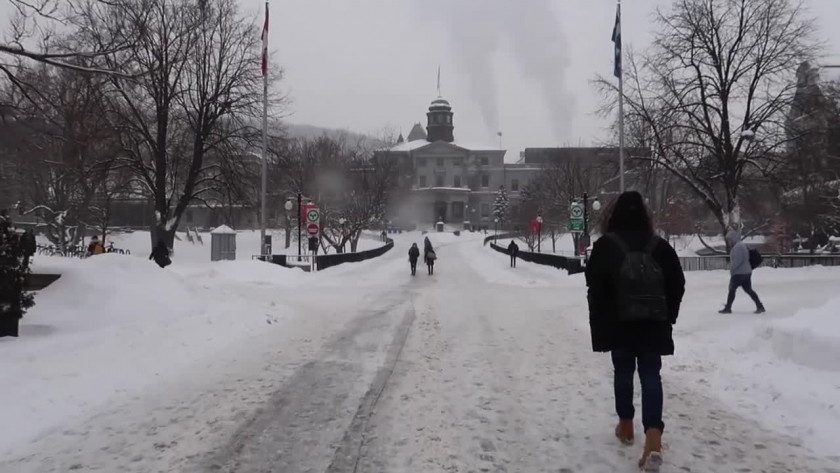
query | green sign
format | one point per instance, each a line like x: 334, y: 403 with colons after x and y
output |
x: 576, y: 211
x: 313, y: 216
x: 576, y: 225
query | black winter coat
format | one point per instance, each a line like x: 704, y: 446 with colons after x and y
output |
x: 413, y: 254
x: 601, y: 274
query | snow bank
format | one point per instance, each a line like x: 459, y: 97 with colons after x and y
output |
x: 115, y: 324
x: 810, y: 338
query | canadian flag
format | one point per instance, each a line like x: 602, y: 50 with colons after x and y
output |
x: 264, y: 65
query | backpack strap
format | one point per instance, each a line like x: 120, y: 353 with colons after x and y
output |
x: 651, y: 245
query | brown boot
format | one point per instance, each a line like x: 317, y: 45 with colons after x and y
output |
x: 624, y: 431
x: 652, y: 455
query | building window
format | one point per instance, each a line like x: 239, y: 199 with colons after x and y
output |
x: 459, y: 161
x: 421, y: 181
x: 449, y: 119
x: 421, y: 162
x: 514, y: 184
x: 485, y: 180
x: 485, y: 210
x: 485, y: 161
x: 439, y: 180
x: 457, y: 180
x: 440, y: 161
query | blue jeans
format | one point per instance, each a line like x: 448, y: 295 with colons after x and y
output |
x: 649, y: 367
x: 743, y: 281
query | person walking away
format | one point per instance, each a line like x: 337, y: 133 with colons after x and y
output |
x: 513, y: 251
x: 160, y: 254
x: 29, y: 246
x: 413, y: 256
x: 740, y: 273
x: 431, y: 256
x: 635, y: 288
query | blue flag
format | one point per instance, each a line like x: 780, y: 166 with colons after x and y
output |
x: 616, y: 38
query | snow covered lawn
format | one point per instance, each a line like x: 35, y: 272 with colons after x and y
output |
x: 114, y: 324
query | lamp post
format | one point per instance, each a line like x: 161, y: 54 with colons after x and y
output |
x: 288, y: 206
x: 342, y: 221
x: 539, y: 233
x: 596, y: 206
x: 300, y: 222
x: 495, y: 230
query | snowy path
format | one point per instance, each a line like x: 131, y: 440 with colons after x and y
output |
x: 470, y: 370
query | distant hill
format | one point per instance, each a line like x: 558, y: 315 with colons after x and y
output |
x: 297, y: 130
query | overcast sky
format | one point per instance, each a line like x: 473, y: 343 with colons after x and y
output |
x: 522, y: 67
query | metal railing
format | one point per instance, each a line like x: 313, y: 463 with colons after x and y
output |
x: 721, y: 262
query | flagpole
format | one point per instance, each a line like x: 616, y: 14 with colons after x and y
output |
x: 264, y: 184
x: 621, y: 128
x: 621, y: 112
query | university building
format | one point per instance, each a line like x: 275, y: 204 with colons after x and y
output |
x: 449, y: 180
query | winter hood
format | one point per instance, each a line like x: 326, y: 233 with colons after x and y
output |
x: 732, y: 237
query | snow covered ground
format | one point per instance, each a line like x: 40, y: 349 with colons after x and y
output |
x: 246, y: 366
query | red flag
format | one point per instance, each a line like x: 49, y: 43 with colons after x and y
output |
x: 264, y: 65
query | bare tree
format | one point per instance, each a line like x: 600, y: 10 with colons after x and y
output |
x: 714, y: 90
x: 193, y: 97
x: 66, y: 151
x: 45, y: 31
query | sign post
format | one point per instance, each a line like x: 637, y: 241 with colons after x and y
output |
x: 313, y: 228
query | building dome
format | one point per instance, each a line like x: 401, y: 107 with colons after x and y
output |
x: 440, y: 103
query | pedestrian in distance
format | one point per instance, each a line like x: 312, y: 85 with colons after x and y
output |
x: 636, y: 285
x: 429, y: 255
x: 413, y: 256
x: 95, y: 247
x: 740, y: 272
x: 160, y: 254
x: 513, y: 251
x: 29, y: 246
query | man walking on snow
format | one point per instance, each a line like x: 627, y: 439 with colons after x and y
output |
x: 740, y: 272
x: 513, y: 251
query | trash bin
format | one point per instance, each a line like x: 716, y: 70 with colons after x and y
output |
x: 439, y: 226
x: 223, y: 244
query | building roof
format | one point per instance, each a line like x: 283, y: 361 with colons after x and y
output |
x: 417, y: 133
x: 440, y: 103
x: 417, y: 144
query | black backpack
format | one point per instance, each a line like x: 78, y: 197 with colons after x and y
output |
x: 755, y: 258
x: 640, y: 286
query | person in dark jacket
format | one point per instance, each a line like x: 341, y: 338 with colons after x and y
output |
x: 413, y: 256
x: 513, y: 251
x: 160, y: 254
x: 429, y: 255
x: 636, y: 343
x: 29, y: 246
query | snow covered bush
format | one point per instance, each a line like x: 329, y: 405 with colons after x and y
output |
x: 13, y: 270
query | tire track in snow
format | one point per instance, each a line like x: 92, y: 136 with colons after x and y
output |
x: 297, y: 429
x: 349, y: 453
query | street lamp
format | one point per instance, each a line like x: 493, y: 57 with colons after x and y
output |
x: 342, y: 221
x: 584, y: 242
x: 539, y: 233
x: 495, y: 230
x: 288, y: 206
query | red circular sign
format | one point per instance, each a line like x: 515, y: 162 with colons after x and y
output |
x: 313, y: 229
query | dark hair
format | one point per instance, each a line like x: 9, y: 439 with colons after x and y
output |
x: 628, y: 213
